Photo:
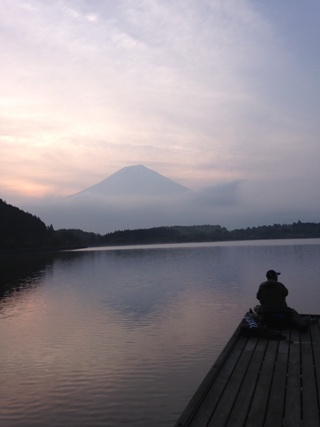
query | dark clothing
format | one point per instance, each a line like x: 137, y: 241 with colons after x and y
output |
x: 272, y: 295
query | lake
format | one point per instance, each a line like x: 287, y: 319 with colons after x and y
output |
x: 124, y: 336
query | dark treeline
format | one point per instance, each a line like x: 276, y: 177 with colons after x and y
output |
x: 211, y: 233
x: 19, y: 229
x: 22, y: 230
x: 189, y: 234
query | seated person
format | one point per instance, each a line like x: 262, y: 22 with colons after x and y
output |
x: 272, y: 296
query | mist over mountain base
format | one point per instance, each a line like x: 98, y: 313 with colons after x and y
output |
x: 137, y: 197
x: 106, y: 216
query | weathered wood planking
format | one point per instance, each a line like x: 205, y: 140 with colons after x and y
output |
x: 257, y: 382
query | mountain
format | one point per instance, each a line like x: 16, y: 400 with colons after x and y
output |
x: 135, y: 180
x: 133, y: 197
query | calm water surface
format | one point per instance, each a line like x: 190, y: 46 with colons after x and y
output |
x: 124, y: 336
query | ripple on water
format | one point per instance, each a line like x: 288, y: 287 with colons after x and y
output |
x: 126, y: 338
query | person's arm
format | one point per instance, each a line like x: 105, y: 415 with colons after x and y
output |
x: 285, y: 291
x: 259, y: 293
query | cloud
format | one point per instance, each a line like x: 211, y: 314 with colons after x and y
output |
x: 212, y: 93
x: 232, y: 205
x: 226, y: 194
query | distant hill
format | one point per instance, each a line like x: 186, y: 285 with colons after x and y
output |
x: 211, y: 233
x: 134, y: 180
x: 21, y: 229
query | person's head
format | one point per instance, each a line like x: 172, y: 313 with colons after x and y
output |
x: 272, y: 275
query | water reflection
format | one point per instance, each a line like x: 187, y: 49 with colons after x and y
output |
x: 118, y: 337
x: 21, y: 271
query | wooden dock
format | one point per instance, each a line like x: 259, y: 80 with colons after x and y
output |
x: 261, y: 382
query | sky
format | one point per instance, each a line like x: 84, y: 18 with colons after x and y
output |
x: 221, y: 96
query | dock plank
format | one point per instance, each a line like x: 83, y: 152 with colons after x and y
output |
x: 212, y: 390
x: 276, y: 401
x: 310, y: 408
x: 259, y: 382
x: 258, y: 409
x: 315, y: 338
x: 292, y: 410
x: 240, y: 410
x: 231, y: 391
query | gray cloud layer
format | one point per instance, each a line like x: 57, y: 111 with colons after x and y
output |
x: 234, y: 205
x: 220, y: 95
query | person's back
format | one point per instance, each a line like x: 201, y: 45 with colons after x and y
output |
x: 272, y: 294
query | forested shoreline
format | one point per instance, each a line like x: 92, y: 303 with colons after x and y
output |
x: 212, y: 233
x: 21, y: 230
